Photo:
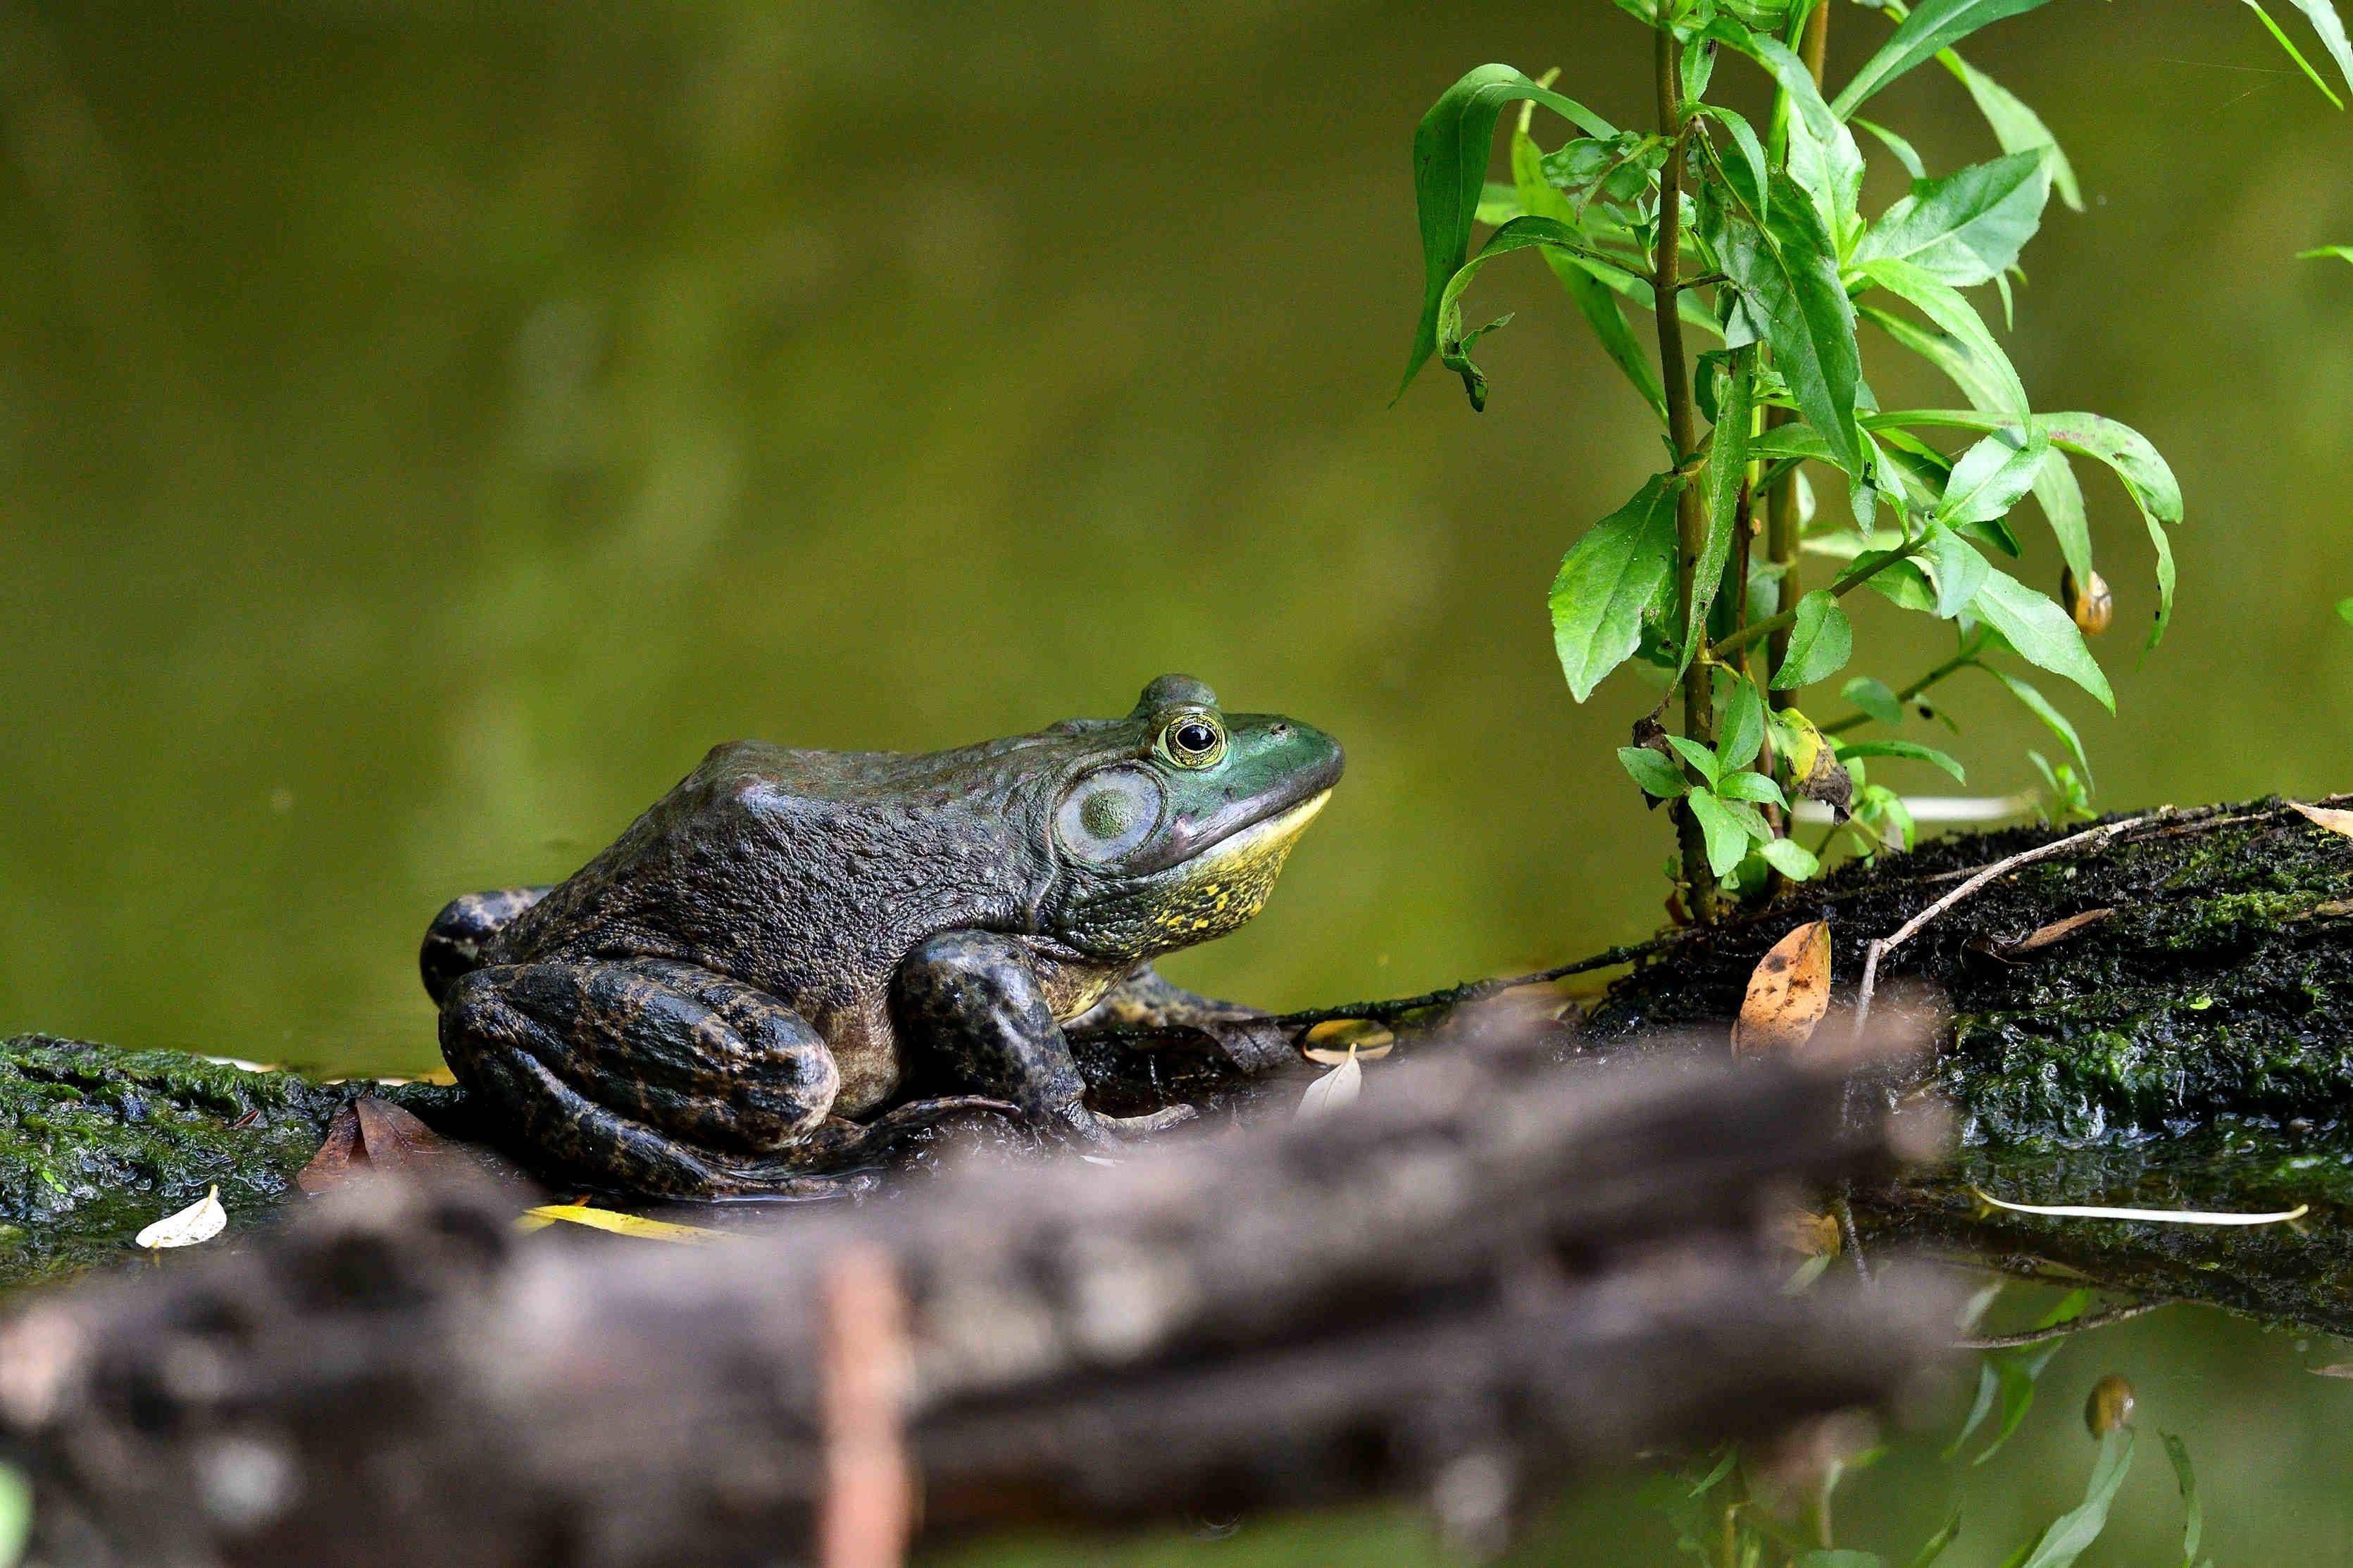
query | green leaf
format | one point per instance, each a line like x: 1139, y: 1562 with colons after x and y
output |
x: 1876, y: 698
x: 2288, y: 45
x: 2193, y: 1516
x: 2076, y: 1528
x: 1656, y: 775
x: 2127, y: 452
x: 1792, y: 860
x: 1820, y: 644
x: 1751, y: 786
x: 1905, y: 153
x: 1840, y: 1556
x: 16, y: 1515
x: 1538, y: 198
x: 2018, y: 128
x: 2345, y: 610
x: 2322, y: 14
x: 2342, y: 252
x: 1907, y: 749
x: 1823, y: 160
x: 2040, y: 706
x: 1607, y: 581
x: 1757, y: 192
x: 1743, y: 736
x: 1454, y: 344
x: 1791, y: 295
x: 1957, y: 569
x: 1727, y: 471
x: 1933, y: 1547
x: 1452, y: 147
x: 2063, y: 508
x: 1968, y: 227
x: 1498, y: 204
x: 1993, y: 476
x: 1933, y: 25
x: 1968, y: 352
x: 1702, y: 757
x: 2041, y: 632
x: 1727, y: 837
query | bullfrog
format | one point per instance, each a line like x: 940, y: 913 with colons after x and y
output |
x: 796, y: 956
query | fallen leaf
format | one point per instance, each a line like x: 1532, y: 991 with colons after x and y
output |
x: 332, y: 1163
x: 372, y: 1134
x: 616, y: 1223
x: 1789, y: 993
x: 2165, y: 1217
x: 2057, y: 931
x: 2340, y: 1369
x: 1815, y: 1234
x: 1332, y: 1041
x: 2326, y: 816
x: 200, y: 1221
x: 2332, y: 909
x: 1334, y: 1089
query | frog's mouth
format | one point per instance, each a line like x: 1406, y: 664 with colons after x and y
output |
x: 1270, y: 835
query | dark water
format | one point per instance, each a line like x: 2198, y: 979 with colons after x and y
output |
x: 425, y: 429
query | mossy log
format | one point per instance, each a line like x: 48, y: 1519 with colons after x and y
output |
x: 2216, y: 988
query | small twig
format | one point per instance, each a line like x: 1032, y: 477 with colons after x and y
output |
x: 1479, y: 990
x: 2091, y: 837
x: 867, y: 1514
x: 2061, y: 1331
x: 1849, y: 1237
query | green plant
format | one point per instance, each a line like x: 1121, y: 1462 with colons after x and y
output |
x: 1752, y: 235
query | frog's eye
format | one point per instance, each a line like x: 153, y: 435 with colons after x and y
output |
x: 1109, y: 813
x: 1192, y: 741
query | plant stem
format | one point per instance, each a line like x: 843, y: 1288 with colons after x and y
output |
x: 1959, y: 661
x: 1789, y: 618
x: 1781, y: 522
x: 1690, y: 513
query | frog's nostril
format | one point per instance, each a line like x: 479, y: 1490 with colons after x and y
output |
x: 1280, y: 731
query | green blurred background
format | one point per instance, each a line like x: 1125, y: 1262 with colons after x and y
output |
x: 426, y: 427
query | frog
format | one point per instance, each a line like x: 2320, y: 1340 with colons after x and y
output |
x: 796, y: 958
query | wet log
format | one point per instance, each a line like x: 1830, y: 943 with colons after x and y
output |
x: 1482, y: 1277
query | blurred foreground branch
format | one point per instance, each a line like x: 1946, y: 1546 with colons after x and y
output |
x: 1483, y: 1276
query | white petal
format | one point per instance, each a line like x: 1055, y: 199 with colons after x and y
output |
x: 2165, y: 1217
x: 200, y: 1221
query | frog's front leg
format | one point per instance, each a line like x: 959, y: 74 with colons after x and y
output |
x: 654, y: 1076
x: 973, y: 1001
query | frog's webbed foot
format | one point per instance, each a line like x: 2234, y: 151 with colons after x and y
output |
x: 1096, y: 1127
x: 648, y: 1075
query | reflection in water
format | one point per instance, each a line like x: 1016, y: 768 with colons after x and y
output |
x: 426, y: 431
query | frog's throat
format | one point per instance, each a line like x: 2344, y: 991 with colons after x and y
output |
x: 1229, y: 882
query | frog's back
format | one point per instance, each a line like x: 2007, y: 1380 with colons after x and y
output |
x: 807, y: 873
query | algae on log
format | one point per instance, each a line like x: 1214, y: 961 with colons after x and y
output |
x: 95, y: 1143
x: 2220, y: 984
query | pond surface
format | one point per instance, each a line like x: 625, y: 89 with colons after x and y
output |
x: 425, y: 431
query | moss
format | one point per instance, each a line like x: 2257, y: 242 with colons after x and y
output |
x: 2219, y: 986
x: 96, y: 1142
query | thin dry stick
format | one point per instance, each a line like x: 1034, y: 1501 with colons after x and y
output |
x: 868, y: 1512
x: 2091, y: 837
x: 2061, y: 1331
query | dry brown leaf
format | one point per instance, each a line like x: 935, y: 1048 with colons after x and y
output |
x: 2341, y: 1369
x: 332, y: 1163
x: 1789, y: 993
x: 2335, y: 821
x: 372, y: 1133
x: 2333, y: 909
x: 1814, y: 1234
x: 2057, y: 931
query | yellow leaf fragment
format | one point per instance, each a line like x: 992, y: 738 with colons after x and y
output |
x: 2162, y: 1217
x: 1789, y: 993
x: 618, y: 1223
x: 200, y: 1221
x: 2326, y: 817
x: 1332, y: 1041
x: 1815, y: 1234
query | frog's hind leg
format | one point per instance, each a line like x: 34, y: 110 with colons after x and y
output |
x: 454, y: 941
x: 645, y: 1074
